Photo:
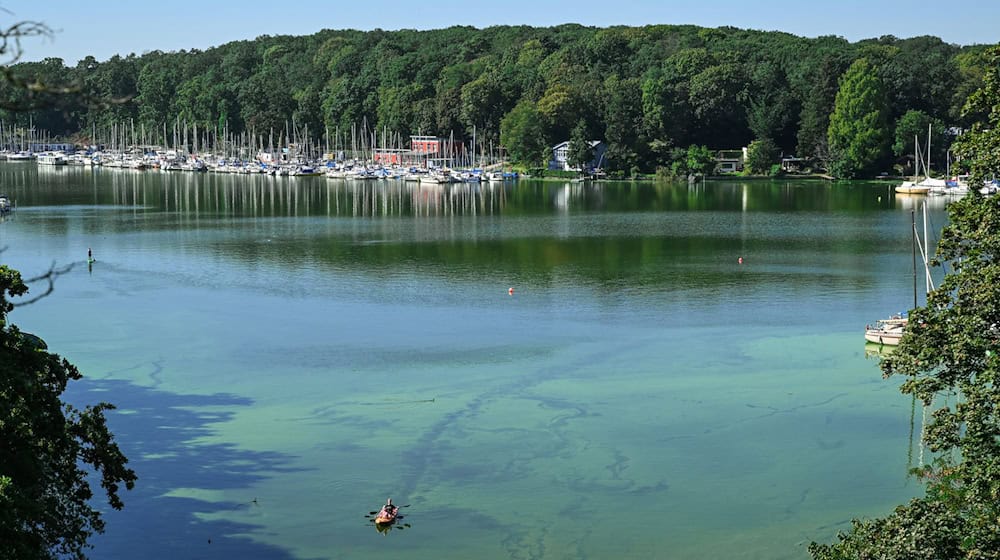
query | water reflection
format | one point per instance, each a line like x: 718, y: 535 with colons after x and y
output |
x: 607, y: 234
x: 877, y: 351
x: 236, y: 195
x: 917, y: 201
x: 386, y: 528
x: 260, y: 196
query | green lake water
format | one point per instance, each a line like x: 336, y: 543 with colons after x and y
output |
x: 286, y: 353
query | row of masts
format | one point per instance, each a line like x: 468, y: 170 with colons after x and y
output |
x: 296, y: 143
x: 20, y: 139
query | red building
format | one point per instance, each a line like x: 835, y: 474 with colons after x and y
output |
x: 426, y: 145
x: 387, y: 156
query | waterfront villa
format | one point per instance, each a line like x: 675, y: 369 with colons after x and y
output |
x: 730, y: 161
x: 560, y: 156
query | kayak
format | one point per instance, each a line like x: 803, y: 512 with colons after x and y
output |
x: 386, y: 515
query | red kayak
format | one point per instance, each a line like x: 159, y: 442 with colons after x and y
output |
x: 387, y: 514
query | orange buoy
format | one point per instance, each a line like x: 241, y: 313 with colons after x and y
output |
x: 510, y: 291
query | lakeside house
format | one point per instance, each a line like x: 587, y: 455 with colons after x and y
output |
x: 560, y: 157
x: 792, y: 164
x: 730, y: 161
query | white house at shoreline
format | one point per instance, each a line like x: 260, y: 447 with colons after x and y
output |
x: 560, y: 156
x: 730, y: 161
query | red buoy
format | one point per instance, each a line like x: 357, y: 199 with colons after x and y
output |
x: 741, y: 260
x: 510, y: 291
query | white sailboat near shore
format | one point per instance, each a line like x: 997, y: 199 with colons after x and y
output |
x: 925, y: 184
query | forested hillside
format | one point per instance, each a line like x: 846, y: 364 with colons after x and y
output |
x: 649, y: 92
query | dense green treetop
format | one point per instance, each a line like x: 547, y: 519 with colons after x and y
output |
x: 914, y: 125
x: 641, y: 89
x: 858, y: 133
x: 761, y: 156
x: 580, y: 152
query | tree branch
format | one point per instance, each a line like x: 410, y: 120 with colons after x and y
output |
x: 10, y: 38
x: 40, y: 95
x: 50, y: 278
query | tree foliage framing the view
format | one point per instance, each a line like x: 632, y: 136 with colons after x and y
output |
x: 952, y: 347
x: 48, y: 449
x: 25, y: 90
x: 37, y: 94
x: 44, y: 489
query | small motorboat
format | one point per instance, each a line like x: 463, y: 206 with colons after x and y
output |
x: 387, y: 514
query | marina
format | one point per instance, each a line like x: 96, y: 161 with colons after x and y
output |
x: 264, y: 164
x: 362, y: 155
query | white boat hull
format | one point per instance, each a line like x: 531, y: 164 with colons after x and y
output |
x: 913, y: 188
x: 879, y: 336
x: 886, y: 331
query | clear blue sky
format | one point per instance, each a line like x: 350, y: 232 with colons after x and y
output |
x: 104, y: 28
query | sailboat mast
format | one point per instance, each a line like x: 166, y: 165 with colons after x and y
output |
x: 927, y: 164
x: 913, y: 242
x: 927, y: 271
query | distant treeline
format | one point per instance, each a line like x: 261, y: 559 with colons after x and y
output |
x: 648, y: 92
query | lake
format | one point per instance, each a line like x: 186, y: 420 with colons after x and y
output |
x: 536, y: 369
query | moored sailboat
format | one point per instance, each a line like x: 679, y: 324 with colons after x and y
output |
x: 925, y: 184
x: 890, y: 331
x: 886, y: 331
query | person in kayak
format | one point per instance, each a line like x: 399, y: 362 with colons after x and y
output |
x: 387, y: 514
